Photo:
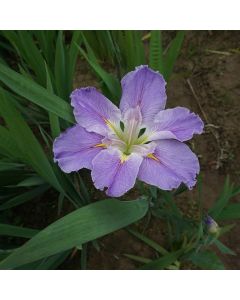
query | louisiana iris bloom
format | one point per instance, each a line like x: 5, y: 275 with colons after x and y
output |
x: 140, y: 140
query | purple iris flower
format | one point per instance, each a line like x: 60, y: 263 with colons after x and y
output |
x: 141, y: 140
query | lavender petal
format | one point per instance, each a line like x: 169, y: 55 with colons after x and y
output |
x: 172, y: 163
x: 75, y: 149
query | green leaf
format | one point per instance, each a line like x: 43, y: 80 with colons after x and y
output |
x: 223, y: 248
x: 46, y: 40
x: 232, y: 211
x: 236, y: 191
x: 110, y: 81
x: 52, y: 262
x: 31, y: 181
x: 30, y: 90
x: 32, y: 54
x: 12, y: 178
x: 172, y: 54
x: 222, y: 200
x: 49, y: 263
x: 31, y: 150
x: 60, y: 68
x: 156, y: 51
x: 140, y: 259
x: 10, y: 230
x: 24, y: 197
x: 207, y: 260
x: 163, y: 262
x: 182, y: 188
x: 8, y: 146
x: 5, y: 165
x: 149, y: 242
x: 225, y: 229
x: 72, y: 56
x: 135, y: 48
x: 53, y: 119
x: 81, y: 226
x: 131, y: 48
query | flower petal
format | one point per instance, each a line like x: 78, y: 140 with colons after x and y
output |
x: 94, y: 111
x: 176, y: 123
x: 111, y: 171
x: 75, y: 149
x: 171, y: 164
x: 144, y: 88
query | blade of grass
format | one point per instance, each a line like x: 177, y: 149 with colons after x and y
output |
x: 207, y: 260
x: 8, y: 146
x: 223, y: 248
x: 79, y: 227
x: 110, y: 81
x: 163, y: 262
x: 24, y: 197
x: 10, y: 230
x: 148, y: 241
x: 53, y: 119
x: 172, y: 54
x: 60, y: 68
x: 27, y: 142
x: 35, y: 93
x: 32, y: 54
x: 230, y: 212
x: 138, y: 258
x: 156, y: 51
x: 222, y: 200
x: 72, y: 56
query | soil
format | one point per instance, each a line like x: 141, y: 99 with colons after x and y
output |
x: 206, y: 80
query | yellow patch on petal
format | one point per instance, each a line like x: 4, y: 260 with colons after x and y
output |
x: 109, y: 124
x: 113, y: 128
x: 152, y: 156
x: 124, y: 157
x: 101, y: 145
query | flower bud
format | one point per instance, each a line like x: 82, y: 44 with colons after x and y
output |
x: 212, y: 226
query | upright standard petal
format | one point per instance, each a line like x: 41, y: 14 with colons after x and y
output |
x: 94, y: 111
x: 144, y: 88
x: 75, y: 148
x: 171, y: 164
x: 176, y: 123
x: 115, y: 171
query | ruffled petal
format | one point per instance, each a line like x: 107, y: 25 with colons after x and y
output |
x: 75, y: 149
x: 94, y: 111
x: 114, y: 171
x: 176, y: 123
x: 144, y: 88
x: 171, y: 164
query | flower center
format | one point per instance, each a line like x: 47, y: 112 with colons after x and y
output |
x: 130, y: 132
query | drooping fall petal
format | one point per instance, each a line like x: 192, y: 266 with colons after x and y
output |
x: 115, y: 172
x: 75, y: 149
x: 171, y: 164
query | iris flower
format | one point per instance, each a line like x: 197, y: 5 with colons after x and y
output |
x: 140, y: 140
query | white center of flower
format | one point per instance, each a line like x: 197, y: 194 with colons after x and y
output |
x: 130, y: 134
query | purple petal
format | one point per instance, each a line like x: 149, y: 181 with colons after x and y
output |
x: 176, y: 123
x: 118, y: 176
x: 75, y: 149
x: 92, y: 110
x: 145, y: 88
x: 173, y: 163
